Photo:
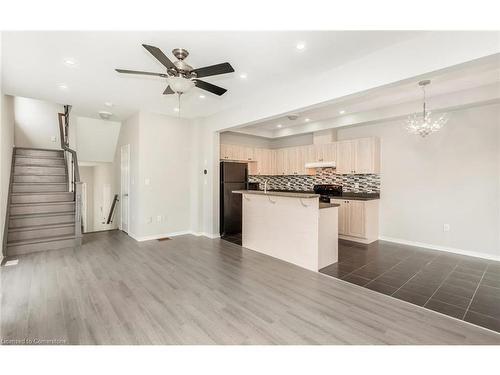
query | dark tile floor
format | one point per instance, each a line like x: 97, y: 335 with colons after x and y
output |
x: 463, y: 287
x: 234, y: 238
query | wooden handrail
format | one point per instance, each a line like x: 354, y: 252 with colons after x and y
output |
x: 112, y: 209
x: 75, y: 181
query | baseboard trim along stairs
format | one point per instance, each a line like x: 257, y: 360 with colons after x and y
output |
x: 41, y: 214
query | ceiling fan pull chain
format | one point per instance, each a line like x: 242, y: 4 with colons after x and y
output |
x: 179, y: 96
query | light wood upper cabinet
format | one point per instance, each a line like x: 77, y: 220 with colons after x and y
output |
x: 367, y: 155
x: 281, y: 165
x: 355, y: 156
x: 358, y: 156
x: 345, y: 157
x: 236, y: 152
x: 264, y: 163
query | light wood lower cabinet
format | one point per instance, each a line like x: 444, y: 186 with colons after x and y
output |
x: 358, y: 220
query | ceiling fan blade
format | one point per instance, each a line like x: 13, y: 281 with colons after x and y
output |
x: 140, y: 72
x: 160, y: 56
x: 213, y: 70
x: 168, y: 91
x: 209, y: 87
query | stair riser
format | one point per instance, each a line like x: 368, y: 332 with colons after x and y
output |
x: 42, y: 162
x: 41, y: 209
x: 39, y: 233
x: 46, y: 220
x: 39, y: 171
x: 39, y: 188
x: 43, y: 153
x: 42, y: 198
x: 13, y: 250
x: 35, y: 179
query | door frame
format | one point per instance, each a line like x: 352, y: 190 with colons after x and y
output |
x: 125, y: 148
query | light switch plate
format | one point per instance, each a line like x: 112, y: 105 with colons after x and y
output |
x: 147, y: 181
x: 53, y: 138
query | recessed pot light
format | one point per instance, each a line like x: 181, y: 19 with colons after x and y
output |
x: 341, y: 111
x: 300, y: 46
x: 70, y: 62
x: 62, y: 86
x: 307, y: 119
x: 105, y: 115
x: 108, y: 104
x: 243, y: 76
x: 279, y: 126
x: 202, y: 96
x: 176, y: 109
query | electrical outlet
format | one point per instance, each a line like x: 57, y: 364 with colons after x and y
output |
x: 53, y: 138
x: 149, y: 220
x: 147, y: 181
x: 158, y: 219
x: 356, y: 185
x: 446, y: 227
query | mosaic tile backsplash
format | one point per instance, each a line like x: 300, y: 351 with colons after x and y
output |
x: 357, y: 183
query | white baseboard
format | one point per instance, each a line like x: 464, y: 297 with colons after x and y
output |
x: 442, y: 248
x: 158, y: 236
x: 172, y: 234
x: 205, y: 234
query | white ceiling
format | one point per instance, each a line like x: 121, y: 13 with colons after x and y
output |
x: 483, y: 72
x: 33, y: 65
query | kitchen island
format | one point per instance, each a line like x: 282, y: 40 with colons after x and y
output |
x: 291, y: 226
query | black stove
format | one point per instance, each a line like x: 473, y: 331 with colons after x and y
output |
x: 327, y: 191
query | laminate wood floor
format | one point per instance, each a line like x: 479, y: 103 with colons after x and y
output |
x: 194, y: 290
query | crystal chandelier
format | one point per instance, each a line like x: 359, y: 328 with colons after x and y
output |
x: 422, y: 123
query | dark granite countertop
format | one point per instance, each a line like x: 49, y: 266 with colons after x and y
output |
x: 323, y: 205
x: 350, y: 196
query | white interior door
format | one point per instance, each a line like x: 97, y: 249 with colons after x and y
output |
x: 125, y: 187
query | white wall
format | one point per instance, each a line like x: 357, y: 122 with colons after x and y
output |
x: 36, y: 123
x: 96, y: 139
x: 6, y: 145
x: 162, y: 172
x: 451, y: 177
x: 166, y: 161
x: 233, y: 138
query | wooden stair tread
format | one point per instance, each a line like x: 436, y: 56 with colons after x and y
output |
x: 43, y: 226
x: 41, y: 203
x: 42, y: 192
x: 39, y: 157
x: 41, y: 239
x: 41, y: 183
x: 36, y: 215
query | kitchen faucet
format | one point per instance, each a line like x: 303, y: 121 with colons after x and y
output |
x: 265, y: 186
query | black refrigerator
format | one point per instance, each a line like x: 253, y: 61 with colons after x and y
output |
x: 233, y: 176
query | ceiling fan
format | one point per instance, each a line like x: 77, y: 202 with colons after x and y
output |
x: 181, y: 77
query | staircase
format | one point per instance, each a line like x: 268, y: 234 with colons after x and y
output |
x: 41, y: 208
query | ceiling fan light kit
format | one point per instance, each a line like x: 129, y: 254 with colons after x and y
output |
x: 181, y: 77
